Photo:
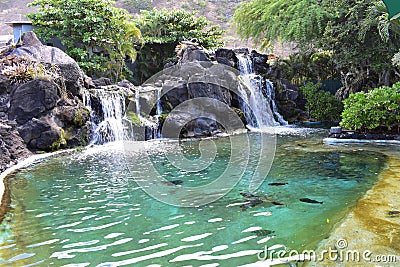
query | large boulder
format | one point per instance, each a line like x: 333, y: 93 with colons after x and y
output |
x: 12, y: 147
x: 32, y: 99
x: 260, y: 62
x: 182, y: 125
x: 42, y: 134
x: 32, y: 49
x: 102, y: 81
x: 226, y: 56
x: 215, y: 91
x: 191, y: 55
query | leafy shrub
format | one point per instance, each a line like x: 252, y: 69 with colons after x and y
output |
x: 321, y: 105
x: 376, y: 110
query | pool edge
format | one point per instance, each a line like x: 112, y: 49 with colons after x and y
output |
x: 25, y: 163
x: 368, y: 227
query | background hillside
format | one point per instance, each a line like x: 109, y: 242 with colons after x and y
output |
x: 218, y: 11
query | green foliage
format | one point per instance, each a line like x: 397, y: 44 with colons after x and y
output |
x: 97, y: 35
x: 378, y: 108
x: 60, y: 143
x: 305, y: 66
x: 281, y: 20
x: 359, y: 35
x: 362, y: 52
x: 79, y: 116
x: 163, y: 30
x: 321, y: 105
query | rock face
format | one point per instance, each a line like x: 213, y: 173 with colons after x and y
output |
x: 32, y: 99
x: 35, y: 51
x: 226, y: 56
x: 260, y: 62
x: 12, y: 147
x: 189, y: 122
x: 42, y: 113
x: 290, y: 101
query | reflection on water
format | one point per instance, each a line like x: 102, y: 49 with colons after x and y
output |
x: 87, y: 210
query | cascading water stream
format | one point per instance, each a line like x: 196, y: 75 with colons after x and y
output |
x: 109, y: 120
x: 108, y: 111
x: 270, y: 91
x: 261, y: 105
x: 158, y: 112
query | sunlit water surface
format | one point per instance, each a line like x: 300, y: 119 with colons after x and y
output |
x: 86, y: 209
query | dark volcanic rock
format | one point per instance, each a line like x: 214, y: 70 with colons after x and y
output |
x: 260, y: 62
x: 226, y: 56
x: 4, y: 84
x: 289, y: 100
x: 12, y: 146
x: 363, y: 136
x: 41, y: 114
x: 30, y: 39
x: 69, y: 69
x: 102, y: 82
x: 191, y: 55
x: 42, y: 134
x: 211, y: 90
x: 32, y: 99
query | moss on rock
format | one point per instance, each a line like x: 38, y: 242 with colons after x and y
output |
x: 133, y: 117
x: 61, y: 142
x: 80, y: 116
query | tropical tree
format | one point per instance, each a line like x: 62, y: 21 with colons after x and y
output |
x: 358, y: 34
x: 363, y: 41
x: 98, y: 36
x: 265, y: 21
x: 163, y: 30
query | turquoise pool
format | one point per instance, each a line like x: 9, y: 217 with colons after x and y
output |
x: 87, y: 209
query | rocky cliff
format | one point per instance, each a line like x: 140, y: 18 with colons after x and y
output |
x: 40, y: 107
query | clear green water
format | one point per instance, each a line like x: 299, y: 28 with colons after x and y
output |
x: 86, y: 209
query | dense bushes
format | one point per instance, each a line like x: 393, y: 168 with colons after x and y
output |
x: 321, y: 105
x: 374, y: 111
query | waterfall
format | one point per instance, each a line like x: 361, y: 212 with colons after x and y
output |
x: 151, y: 124
x: 137, y: 102
x: 270, y: 91
x: 261, y: 107
x: 158, y: 112
x: 107, y: 109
